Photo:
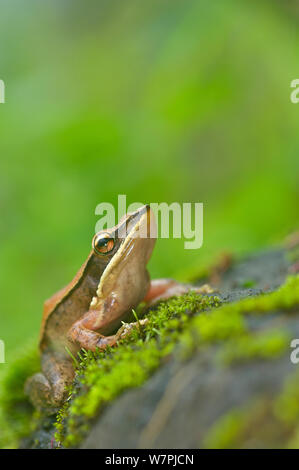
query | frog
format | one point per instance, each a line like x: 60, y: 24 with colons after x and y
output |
x: 92, y: 311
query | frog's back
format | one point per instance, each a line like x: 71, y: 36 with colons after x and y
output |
x: 54, y: 305
x: 52, y: 302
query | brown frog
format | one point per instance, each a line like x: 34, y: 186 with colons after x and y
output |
x: 112, y: 281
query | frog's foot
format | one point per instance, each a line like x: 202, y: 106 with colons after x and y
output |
x: 47, y: 393
x: 127, y: 328
x: 204, y: 289
x: 38, y: 389
x: 41, y: 394
x: 162, y: 289
x: 83, y: 334
x: 89, y: 339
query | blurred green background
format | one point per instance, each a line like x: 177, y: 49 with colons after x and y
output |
x: 161, y: 100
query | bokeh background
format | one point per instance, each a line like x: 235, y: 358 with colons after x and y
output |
x: 161, y: 100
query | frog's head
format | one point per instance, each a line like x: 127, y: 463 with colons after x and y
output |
x: 117, y: 242
x: 125, y: 249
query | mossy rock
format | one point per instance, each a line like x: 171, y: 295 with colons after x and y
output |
x: 206, y: 371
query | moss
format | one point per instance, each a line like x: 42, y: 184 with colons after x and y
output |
x: 269, y: 419
x: 266, y: 345
x: 285, y: 298
x: 227, y: 431
x: 286, y: 410
x: 209, y: 328
x: 229, y: 321
x: 248, y: 283
x: 15, y: 410
x: 286, y: 406
x: 244, y: 426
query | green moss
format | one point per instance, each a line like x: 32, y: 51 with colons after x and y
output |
x: 265, y: 345
x: 248, y: 283
x: 229, y: 321
x: 241, y: 426
x: 285, y: 298
x: 15, y: 410
x: 286, y: 410
x: 227, y: 431
x: 273, y: 418
x: 210, y: 327
x: 269, y: 420
x: 286, y: 406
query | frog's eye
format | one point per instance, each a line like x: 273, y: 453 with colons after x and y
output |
x: 103, y: 243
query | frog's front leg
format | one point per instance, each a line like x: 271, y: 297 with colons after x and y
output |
x: 83, y: 332
x: 47, y: 389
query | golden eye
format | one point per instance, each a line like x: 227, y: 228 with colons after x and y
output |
x: 103, y: 243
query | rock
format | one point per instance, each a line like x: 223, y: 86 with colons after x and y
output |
x: 231, y: 393
x: 179, y: 405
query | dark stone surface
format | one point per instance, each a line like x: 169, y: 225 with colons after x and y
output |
x: 43, y: 437
x: 176, y: 407
x: 267, y: 270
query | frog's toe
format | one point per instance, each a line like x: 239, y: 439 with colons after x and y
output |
x: 127, y: 328
x: 204, y: 289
